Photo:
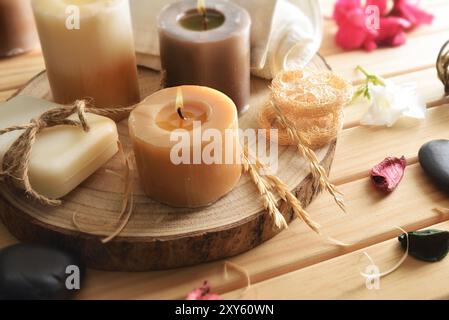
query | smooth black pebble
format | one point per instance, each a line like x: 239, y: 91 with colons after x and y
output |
x: 35, y: 272
x: 434, y: 159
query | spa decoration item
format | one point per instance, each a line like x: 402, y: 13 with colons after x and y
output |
x: 434, y: 159
x: 151, y: 229
x: 268, y: 185
x: 17, y: 29
x: 443, y: 66
x: 357, y: 27
x: 61, y: 146
x: 312, y: 101
x: 32, y: 272
x: 428, y: 245
x: 306, y: 107
x: 177, y: 164
x: 93, y: 59
x: 207, y: 47
x: 387, y: 175
x: 285, y: 34
x: 389, y: 102
x: 203, y: 293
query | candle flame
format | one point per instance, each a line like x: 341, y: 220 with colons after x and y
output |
x: 179, y: 103
x: 201, y: 7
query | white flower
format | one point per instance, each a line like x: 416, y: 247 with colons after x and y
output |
x: 390, y: 102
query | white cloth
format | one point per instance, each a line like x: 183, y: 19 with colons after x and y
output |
x: 285, y: 34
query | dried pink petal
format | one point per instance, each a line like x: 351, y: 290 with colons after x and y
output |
x: 203, y: 293
x: 387, y: 175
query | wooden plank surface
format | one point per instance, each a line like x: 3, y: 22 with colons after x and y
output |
x: 370, y: 219
x: 342, y: 280
x: 297, y: 255
x: 15, y: 72
x: 361, y: 147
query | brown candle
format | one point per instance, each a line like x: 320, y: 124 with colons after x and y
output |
x: 17, y: 30
x: 208, y: 47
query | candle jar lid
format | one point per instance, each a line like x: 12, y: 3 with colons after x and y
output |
x: 236, y: 19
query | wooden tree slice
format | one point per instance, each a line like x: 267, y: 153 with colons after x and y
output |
x: 157, y: 236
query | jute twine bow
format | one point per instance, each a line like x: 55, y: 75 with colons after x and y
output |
x: 16, y: 160
x: 443, y: 66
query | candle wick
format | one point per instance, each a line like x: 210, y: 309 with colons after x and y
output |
x: 201, y: 7
x: 205, y: 22
x: 180, y: 114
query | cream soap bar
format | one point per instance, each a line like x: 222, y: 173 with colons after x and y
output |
x: 62, y: 157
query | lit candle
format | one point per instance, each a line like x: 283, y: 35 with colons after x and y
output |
x: 209, y: 45
x: 17, y: 29
x: 62, y: 157
x: 93, y: 58
x: 204, y: 165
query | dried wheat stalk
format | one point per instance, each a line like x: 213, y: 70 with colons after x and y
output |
x: 263, y: 186
x: 283, y: 191
x: 266, y: 184
x: 318, y: 172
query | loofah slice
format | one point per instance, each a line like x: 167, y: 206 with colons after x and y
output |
x: 310, y: 93
x: 317, y: 131
x: 312, y: 101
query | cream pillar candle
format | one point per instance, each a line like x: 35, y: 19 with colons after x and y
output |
x: 97, y: 59
x: 214, y: 52
x: 17, y: 30
x: 62, y: 157
x: 203, y: 176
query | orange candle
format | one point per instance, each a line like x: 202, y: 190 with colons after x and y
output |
x: 186, y: 144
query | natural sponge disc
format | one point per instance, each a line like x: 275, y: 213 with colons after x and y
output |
x: 310, y: 93
x: 312, y: 101
x: 316, y: 131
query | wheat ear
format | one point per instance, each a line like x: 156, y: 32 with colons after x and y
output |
x: 263, y: 187
x: 318, y: 172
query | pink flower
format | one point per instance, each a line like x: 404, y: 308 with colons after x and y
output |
x: 342, y: 7
x: 355, y: 31
x: 381, y: 4
x: 391, y: 32
x: 203, y: 293
x: 411, y: 13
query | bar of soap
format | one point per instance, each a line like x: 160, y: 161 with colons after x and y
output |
x: 63, y: 156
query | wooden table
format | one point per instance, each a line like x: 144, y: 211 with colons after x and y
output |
x: 297, y: 264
